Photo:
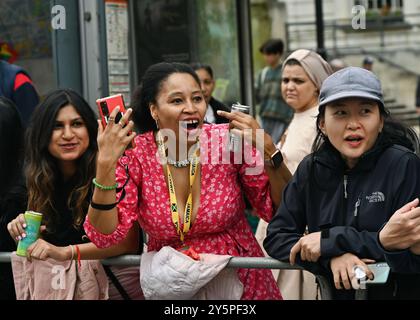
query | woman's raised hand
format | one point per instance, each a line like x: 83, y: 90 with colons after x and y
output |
x: 115, y: 137
x: 246, y: 126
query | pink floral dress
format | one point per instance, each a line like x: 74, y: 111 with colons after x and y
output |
x: 220, y: 226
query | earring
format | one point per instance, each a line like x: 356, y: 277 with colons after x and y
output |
x: 157, y: 124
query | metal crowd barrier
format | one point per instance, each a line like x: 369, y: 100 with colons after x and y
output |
x: 235, y: 262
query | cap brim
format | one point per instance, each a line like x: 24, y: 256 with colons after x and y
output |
x: 350, y: 94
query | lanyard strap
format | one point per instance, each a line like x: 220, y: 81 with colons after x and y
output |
x: 188, y: 205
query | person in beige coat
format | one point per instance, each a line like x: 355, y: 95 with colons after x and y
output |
x: 302, y: 75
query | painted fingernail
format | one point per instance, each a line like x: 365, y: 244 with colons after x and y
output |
x: 19, y: 237
x: 24, y: 225
x: 23, y: 235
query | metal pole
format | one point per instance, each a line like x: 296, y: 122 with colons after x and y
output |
x: 66, y: 48
x: 245, y: 52
x: 320, y: 29
x: 234, y: 262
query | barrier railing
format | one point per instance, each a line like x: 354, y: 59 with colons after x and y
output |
x: 235, y: 262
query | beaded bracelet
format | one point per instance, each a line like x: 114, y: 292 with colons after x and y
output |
x: 102, y: 187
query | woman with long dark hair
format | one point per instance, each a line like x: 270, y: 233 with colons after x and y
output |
x: 12, y: 189
x: 60, y: 165
x: 363, y: 169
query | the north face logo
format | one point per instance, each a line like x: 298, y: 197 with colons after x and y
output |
x: 376, y: 197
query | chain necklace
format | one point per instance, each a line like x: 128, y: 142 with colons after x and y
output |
x: 179, y: 164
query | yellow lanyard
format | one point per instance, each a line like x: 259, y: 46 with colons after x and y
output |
x: 188, y: 205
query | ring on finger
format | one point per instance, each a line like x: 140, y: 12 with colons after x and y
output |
x: 111, y: 119
x: 121, y: 124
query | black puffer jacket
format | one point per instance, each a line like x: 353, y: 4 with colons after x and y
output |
x: 348, y: 206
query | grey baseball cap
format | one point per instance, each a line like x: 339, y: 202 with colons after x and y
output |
x: 351, y: 82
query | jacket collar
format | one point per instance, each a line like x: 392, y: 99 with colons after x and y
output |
x: 330, y: 157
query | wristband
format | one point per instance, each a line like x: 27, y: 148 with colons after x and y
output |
x: 78, y: 256
x: 102, y: 187
x: 102, y: 207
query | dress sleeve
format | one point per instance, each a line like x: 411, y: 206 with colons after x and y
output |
x: 256, y: 184
x: 127, y: 208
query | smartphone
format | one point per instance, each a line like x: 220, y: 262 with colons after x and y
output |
x: 107, y: 105
x: 380, y: 271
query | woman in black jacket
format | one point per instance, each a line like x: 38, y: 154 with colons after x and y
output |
x: 12, y: 189
x: 362, y: 170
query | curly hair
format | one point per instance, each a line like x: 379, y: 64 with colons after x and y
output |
x: 149, y: 89
x: 42, y: 171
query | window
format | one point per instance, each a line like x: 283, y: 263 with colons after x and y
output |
x: 191, y: 31
x: 382, y: 7
x: 25, y: 30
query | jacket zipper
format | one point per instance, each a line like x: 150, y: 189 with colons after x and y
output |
x: 356, y: 211
x: 345, y: 186
x: 356, y: 207
x: 344, y: 218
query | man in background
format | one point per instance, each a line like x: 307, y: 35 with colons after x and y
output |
x: 275, y: 114
x: 16, y: 84
x: 368, y: 63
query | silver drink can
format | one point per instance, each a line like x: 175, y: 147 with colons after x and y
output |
x: 234, y: 141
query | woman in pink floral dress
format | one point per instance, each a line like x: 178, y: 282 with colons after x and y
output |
x: 175, y: 204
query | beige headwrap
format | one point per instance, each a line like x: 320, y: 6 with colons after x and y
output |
x: 314, y: 65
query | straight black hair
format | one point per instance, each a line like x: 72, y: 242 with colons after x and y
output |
x: 272, y: 46
x: 393, y: 132
x: 197, y: 66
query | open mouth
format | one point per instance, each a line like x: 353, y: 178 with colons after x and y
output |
x: 354, y: 140
x: 190, y: 124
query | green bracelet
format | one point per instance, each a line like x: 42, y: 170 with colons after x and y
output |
x: 102, y: 187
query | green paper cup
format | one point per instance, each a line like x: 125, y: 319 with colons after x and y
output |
x: 33, y: 223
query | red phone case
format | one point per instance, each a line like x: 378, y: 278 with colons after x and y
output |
x: 107, y: 105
